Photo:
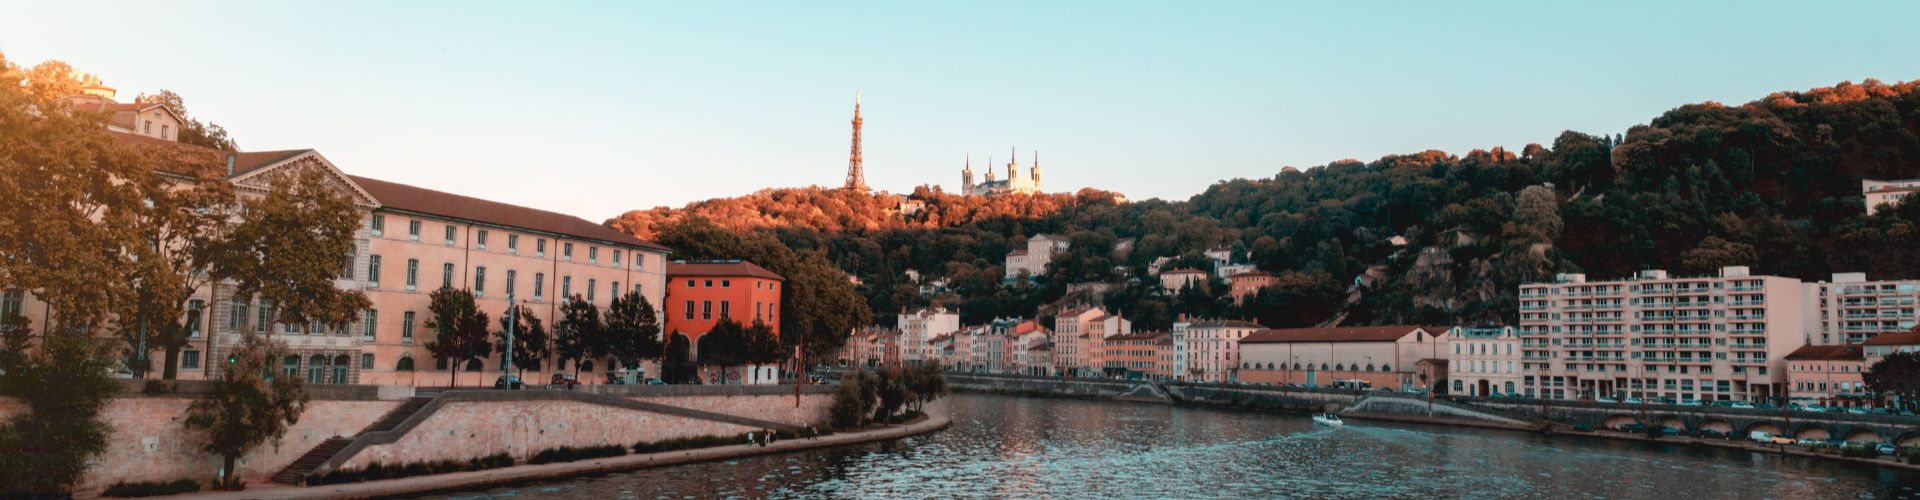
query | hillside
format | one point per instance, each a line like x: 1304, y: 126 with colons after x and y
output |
x: 1773, y: 184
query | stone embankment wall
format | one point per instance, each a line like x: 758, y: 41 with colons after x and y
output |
x: 149, y: 440
x: 1217, y: 395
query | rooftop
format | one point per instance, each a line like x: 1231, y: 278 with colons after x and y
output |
x: 1896, y: 338
x: 720, y: 268
x: 1223, y: 323
x: 1826, y: 353
x: 396, y: 196
x: 1350, y: 334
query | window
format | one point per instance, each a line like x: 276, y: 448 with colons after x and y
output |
x: 480, y: 239
x: 480, y: 281
x: 413, y: 273
x: 373, y: 270
x: 236, y: 316
x: 566, y: 287
x: 689, y: 309
x: 707, y: 283
x: 566, y: 252
x: 406, y: 326
x: 706, y: 309
x: 413, y: 230
x: 260, y: 318
x: 373, y: 318
x: 616, y: 258
x: 510, y: 276
x: 194, y: 308
x: 513, y: 243
x: 540, y: 247
x: 346, y: 271
x: 446, y: 275
x: 726, y: 283
x: 690, y: 284
x: 366, y: 361
x: 593, y: 255
x: 590, y: 285
x: 614, y: 291
x: 539, y: 285
x: 639, y: 260
x: 13, y: 303
x: 450, y: 231
x: 405, y: 364
x: 379, y: 224
x: 726, y: 309
x: 190, y: 359
x: 165, y: 130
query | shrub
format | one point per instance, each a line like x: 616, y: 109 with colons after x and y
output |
x: 377, y: 471
x: 153, y: 387
x: 569, y: 453
x: 151, y: 488
x: 689, y: 443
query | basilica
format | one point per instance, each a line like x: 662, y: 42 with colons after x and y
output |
x: 1014, y: 183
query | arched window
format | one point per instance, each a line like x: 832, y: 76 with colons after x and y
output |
x: 1386, y: 368
x: 405, y: 364
x: 473, y: 365
x: 1340, y: 367
x: 316, y: 369
x: 1323, y: 366
x: 340, y: 364
x: 586, y: 365
x: 1369, y: 367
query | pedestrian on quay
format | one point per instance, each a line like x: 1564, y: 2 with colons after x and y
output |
x: 749, y: 439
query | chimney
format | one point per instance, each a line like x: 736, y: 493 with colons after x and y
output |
x: 229, y: 164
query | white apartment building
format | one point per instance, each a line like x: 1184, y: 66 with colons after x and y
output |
x: 918, y: 328
x: 1032, y: 259
x: 1484, y: 361
x: 1708, y: 338
x: 1878, y: 193
x: 1851, y: 309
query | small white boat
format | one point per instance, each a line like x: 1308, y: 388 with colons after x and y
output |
x: 1327, y: 419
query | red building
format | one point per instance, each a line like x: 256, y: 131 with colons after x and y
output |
x: 701, y: 293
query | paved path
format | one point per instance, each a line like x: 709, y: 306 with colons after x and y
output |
x: 523, y: 473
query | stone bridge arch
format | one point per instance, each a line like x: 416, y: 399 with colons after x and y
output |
x: 1812, y: 431
x: 1617, y: 420
x: 1669, y: 421
x: 1762, y: 426
x: 1910, y: 439
x: 1716, y: 425
x: 1863, y: 435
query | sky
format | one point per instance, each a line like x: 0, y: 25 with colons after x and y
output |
x: 596, y: 108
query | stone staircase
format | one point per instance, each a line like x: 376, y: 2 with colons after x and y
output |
x: 296, y: 472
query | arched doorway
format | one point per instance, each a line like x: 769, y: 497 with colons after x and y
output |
x: 1509, y: 389
x: 1615, y: 422
x: 1716, y: 425
x: 1863, y: 436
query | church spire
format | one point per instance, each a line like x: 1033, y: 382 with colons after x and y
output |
x: 1036, y: 169
x: 856, y: 177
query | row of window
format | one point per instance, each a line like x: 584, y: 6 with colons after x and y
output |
x: 479, y: 289
x: 480, y: 237
x: 762, y: 311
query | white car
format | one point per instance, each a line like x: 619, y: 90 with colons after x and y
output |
x: 1741, y: 405
x: 1631, y: 400
x: 1604, y: 399
x: 1813, y: 408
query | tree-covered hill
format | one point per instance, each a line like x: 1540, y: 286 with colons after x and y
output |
x: 1773, y: 184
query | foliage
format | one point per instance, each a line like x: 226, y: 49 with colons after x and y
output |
x: 247, y: 406
x: 677, y: 367
x: 151, y: 488
x: 853, y: 401
x: 762, y: 346
x: 459, y: 329
x: 579, y: 334
x: 633, y: 329
x: 64, y: 385
x: 377, y: 471
x: 723, y: 345
x: 569, y: 453
x: 295, y: 270
x: 530, y: 347
x: 1896, y: 375
x: 192, y: 131
x: 818, y: 307
x: 925, y: 384
x: 687, y: 443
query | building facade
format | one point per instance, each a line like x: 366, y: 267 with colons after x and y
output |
x: 1373, y: 356
x: 1484, y: 361
x: 701, y: 294
x: 1032, y: 258
x: 1015, y: 183
x: 1709, y: 338
x: 1249, y: 283
x: 1828, y: 375
x: 919, y: 327
x: 1886, y: 193
x: 1139, y: 355
x: 1851, y: 309
x: 1174, y: 280
x: 1213, y: 349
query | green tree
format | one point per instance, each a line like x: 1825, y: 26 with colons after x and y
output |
x: 1897, y: 375
x: 64, y: 384
x: 460, y: 333
x: 530, y: 346
x: 677, y: 367
x: 294, y: 269
x: 724, y: 346
x: 580, y: 334
x: 762, y: 346
x: 248, y: 406
x: 632, y: 329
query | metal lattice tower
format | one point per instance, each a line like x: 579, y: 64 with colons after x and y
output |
x: 856, y: 177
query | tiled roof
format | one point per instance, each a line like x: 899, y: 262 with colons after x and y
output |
x: 1827, y: 352
x: 728, y: 268
x: 1223, y: 323
x: 398, y: 196
x: 1185, y: 270
x: 1139, y: 336
x: 243, y: 161
x: 1251, y: 274
x: 1351, y: 334
x: 1901, y: 338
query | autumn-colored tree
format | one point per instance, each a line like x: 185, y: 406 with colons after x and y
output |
x: 248, y: 406
x: 192, y: 131
x: 530, y: 342
x: 290, y: 246
x: 460, y: 333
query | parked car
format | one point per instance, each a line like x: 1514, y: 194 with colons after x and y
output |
x: 1857, y: 411
x: 1809, y: 442
x: 1633, y: 427
x: 1760, y: 437
x: 1631, y: 400
x: 508, y: 382
x: 1888, y: 449
x: 655, y: 381
x: 1709, y: 433
x: 1604, y: 399
x: 1690, y: 402
x: 1782, y: 440
x: 1813, y: 408
x: 563, y: 381
x: 1582, y: 428
x: 1740, y: 405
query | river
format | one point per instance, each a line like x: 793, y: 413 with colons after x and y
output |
x: 1002, y: 446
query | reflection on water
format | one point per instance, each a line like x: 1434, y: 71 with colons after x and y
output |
x: 1025, y: 448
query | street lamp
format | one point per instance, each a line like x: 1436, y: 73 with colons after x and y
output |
x: 506, y: 364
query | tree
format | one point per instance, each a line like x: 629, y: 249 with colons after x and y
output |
x: 459, y: 329
x: 65, y: 384
x: 530, y: 346
x: 762, y: 346
x: 724, y: 345
x: 676, y: 367
x: 818, y: 306
x: 290, y: 246
x: 185, y: 224
x: 248, y: 406
x: 926, y: 383
x: 192, y: 131
x: 1896, y: 375
x: 579, y: 334
x: 632, y: 329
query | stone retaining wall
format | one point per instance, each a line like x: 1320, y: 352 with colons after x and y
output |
x: 470, y: 429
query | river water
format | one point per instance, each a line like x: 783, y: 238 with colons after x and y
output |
x: 1017, y: 447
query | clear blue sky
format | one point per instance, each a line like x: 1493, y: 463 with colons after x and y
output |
x: 612, y: 106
